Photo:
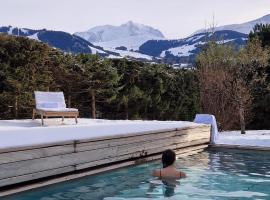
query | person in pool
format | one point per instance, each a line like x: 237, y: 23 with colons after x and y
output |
x: 169, y: 171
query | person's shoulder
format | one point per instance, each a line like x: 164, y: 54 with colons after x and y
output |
x: 156, y: 172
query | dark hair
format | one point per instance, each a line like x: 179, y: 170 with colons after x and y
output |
x: 168, y: 158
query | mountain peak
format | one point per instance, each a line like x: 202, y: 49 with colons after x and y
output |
x: 130, y: 23
x: 109, y: 33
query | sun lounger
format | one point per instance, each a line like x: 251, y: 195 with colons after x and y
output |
x: 208, y: 119
x: 52, y: 104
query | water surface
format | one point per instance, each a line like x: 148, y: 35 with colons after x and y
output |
x: 219, y: 175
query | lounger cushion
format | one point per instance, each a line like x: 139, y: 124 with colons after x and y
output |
x: 49, y: 105
x: 58, y: 109
x: 50, y: 100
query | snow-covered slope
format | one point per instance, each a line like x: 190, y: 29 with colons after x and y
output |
x: 185, y: 50
x: 182, y: 50
x: 242, y: 28
x: 127, y: 43
x: 129, y: 35
x: 72, y: 43
x: 58, y: 39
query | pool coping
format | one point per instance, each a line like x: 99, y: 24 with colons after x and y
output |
x: 240, y: 147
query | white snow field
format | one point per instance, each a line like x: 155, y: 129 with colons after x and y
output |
x: 184, y: 50
x: 258, y: 138
x: 18, y: 133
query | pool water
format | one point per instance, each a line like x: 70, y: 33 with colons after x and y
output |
x: 215, y: 174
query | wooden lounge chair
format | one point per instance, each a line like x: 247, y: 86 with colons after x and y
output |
x: 52, y: 104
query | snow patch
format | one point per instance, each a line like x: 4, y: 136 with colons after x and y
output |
x: 195, y: 38
x: 184, y: 50
x: 133, y: 54
x: 127, y: 53
x: 24, y: 31
x: 259, y: 138
x: 114, y: 56
x: 34, y: 36
x: 96, y: 51
x: 11, y: 28
x: 224, y: 41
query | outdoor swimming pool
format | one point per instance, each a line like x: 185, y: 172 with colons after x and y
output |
x: 215, y: 174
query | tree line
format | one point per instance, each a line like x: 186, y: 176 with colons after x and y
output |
x: 98, y: 87
x: 233, y: 84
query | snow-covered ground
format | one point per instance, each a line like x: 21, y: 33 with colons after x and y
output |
x: 127, y: 53
x: 16, y: 133
x: 131, y: 42
x: 96, y: 51
x: 34, y: 37
x: 184, y: 50
x: 258, y: 138
x: 133, y: 54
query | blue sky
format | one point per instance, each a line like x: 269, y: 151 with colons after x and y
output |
x: 175, y: 18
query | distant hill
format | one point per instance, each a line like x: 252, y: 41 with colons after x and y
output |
x: 185, y: 50
x: 137, y: 41
x: 242, y: 28
x: 57, y: 39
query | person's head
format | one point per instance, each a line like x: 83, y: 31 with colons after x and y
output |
x: 168, y: 158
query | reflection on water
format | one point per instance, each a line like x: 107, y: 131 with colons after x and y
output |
x: 169, y: 186
x: 217, y: 175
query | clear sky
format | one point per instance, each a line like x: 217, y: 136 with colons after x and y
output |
x: 175, y: 18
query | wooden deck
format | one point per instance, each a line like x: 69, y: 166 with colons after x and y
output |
x: 34, y: 162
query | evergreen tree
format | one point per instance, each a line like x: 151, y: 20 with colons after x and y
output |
x: 261, y: 87
x: 130, y: 94
x: 99, y: 79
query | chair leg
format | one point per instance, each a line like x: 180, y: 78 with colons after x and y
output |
x: 33, y: 114
x: 76, y: 119
x: 62, y: 118
x: 42, y: 120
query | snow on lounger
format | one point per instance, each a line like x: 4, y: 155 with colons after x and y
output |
x: 52, y: 104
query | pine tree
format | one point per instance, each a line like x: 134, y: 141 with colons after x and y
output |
x: 100, y: 79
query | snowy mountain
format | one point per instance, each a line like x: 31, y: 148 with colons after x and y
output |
x: 159, y: 50
x: 17, y: 31
x: 58, y: 39
x: 185, y: 50
x: 137, y: 41
x: 242, y: 28
x: 128, y: 36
